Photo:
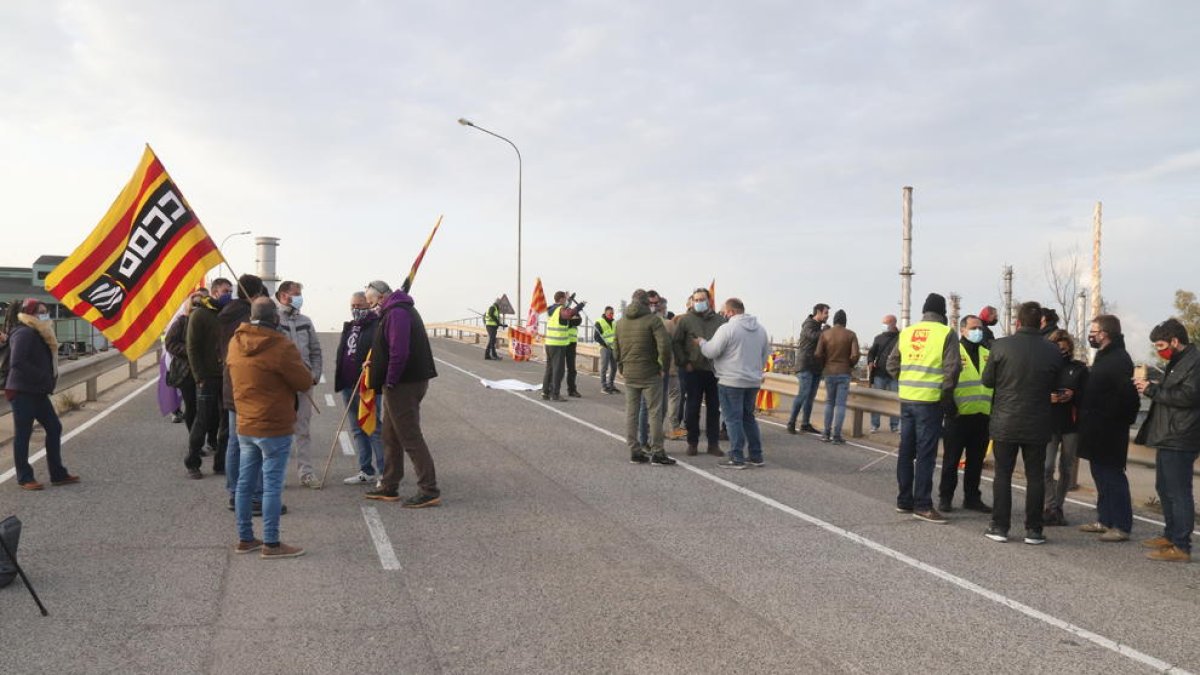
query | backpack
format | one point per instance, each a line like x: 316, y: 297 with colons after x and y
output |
x: 10, y: 532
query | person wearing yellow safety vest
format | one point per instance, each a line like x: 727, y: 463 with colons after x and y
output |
x: 493, y: 322
x: 606, y: 336
x: 559, y: 329
x: 967, y: 432
x: 926, y: 362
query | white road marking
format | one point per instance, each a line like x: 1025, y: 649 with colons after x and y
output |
x: 329, y: 401
x: 383, y: 545
x: 1078, y: 631
x: 1016, y: 486
x: 322, y: 380
x: 84, y: 427
x: 347, y: 447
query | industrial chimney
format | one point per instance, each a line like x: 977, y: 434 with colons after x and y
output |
x: 265, y: 261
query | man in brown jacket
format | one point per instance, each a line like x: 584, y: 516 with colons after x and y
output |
x: 267, y: 372
x: 838, y: 349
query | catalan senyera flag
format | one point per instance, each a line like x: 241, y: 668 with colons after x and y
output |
x: 412, y: 274
x: 366, y: 412
x: 537, y: 305
x: 139, y: 264
x: 712, y: 295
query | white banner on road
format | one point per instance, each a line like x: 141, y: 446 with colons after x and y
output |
x: 510, y: 385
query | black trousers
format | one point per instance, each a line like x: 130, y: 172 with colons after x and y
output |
x: 555, y: 361
x: 210, y: 419
x: 490, y: 350
x: 964, y: 434
x: 187, y: 390
x: 701, y: 386
x: 570, y: 359
x: 1034, y: 456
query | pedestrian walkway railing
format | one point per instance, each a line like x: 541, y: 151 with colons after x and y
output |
x: 87, y: 371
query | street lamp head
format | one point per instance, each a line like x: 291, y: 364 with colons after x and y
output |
x: 243, y: 232
x: 465, y: 122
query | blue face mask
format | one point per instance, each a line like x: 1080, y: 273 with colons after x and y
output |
x: 975, y: 335
x: 297, y: 302
x: 224, y: 299
x: 701, y: 307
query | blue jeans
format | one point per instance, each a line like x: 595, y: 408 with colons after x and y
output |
x: 887, y: 384
x: 268, y: 456
x: 920, y: 430
x: 369, y: 447
x: 808, y: 394
x: 25, y: 409
x: 233, y: 459
x: 837, y: 388
x: 1173, y: 480
x: 737, y: 403
x: 1114, y: 506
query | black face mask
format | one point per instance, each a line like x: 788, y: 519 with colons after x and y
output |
x: 1093, y: 342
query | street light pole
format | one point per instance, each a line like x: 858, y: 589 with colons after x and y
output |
x: 222, y: 249
x: 520, y: 170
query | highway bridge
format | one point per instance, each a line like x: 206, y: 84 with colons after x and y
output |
x: 552, y: 553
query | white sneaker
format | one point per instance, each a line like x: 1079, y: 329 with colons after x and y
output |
x: 359, y: 478
x: 308, y: 480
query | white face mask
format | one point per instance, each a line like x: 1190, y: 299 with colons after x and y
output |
x: 43, y: 317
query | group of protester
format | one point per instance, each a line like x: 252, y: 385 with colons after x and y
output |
x: 249, y: 363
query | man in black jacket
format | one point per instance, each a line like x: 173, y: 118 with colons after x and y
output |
x: 235, y: 312
x: 1172, y: 428
x: 1023, y: 371
x: 1108, y: 405
x: 206, y: 359
x: 878, y: 375
x: 358, y: 334
x: 808, y: 369
x: 1063, y: 450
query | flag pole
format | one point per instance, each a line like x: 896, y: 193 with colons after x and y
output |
x: 338, y: 433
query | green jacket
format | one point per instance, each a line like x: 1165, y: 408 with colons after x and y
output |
x: 691, y: 326
x: 643, y: 349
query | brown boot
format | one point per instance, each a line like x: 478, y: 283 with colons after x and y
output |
x: 1157, y: 543
x: 1170, y: 554
x: 715, y: 449
x: 692, y: 450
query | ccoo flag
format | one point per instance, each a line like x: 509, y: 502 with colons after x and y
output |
x: 139, y: 264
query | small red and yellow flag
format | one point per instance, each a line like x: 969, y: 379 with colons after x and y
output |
x: 139, y: 264
x: 366, y: 413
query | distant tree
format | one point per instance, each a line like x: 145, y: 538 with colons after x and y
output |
x: 1062, y: 277
x: 1188, y: 312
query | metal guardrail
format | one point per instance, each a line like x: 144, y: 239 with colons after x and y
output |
x: 87, y: 371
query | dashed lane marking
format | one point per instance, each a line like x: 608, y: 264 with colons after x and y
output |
x: 329, y: 401
x: 1078, y: 631
x: 383, y: 545
x: 347, y: 447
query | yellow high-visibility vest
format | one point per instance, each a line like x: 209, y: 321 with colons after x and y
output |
x: 608, y: 331
x: 557, y: 335
x: 971, y: 397
x: 921, y: 346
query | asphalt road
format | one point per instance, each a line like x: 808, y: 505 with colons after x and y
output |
x: 552, y: 553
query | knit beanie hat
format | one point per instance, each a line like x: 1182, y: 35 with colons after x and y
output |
x: 934, y: 303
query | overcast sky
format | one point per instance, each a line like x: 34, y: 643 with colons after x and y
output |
x: 764, y: 144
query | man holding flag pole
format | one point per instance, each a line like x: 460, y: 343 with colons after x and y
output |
x: 399, y: 367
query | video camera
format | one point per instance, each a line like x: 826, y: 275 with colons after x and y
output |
x: 572, y: 307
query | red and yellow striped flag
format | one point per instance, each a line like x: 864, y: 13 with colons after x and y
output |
x: 412, y: 274
x: 366, y: 400
x: 139, y: 264
x: 537, y: 305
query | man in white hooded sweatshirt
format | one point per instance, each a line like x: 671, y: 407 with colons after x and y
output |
x: 739, y: 351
